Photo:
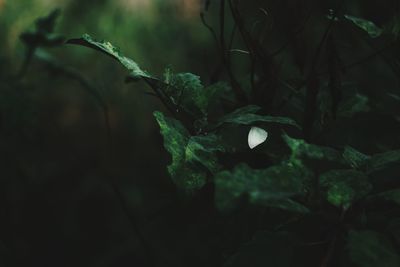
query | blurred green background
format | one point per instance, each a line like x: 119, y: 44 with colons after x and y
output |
x: 60, y: 210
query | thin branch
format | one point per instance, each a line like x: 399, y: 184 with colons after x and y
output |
x: 225, y: 56
x: 211, y: 30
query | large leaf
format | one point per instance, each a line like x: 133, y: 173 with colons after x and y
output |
x: 201, y: 150
x: 247, y: 115
x: 382, y: 160
x: 372, y: 163
x: 186, y: 91
x: 371, y: 249
x: 343, y: 187
x: 301, y: 149
x: 218, y: 94
x: 271, y: 187
x: 192, y: 156
x: 112, y: 51
x: 391, y: 195
x: 366, y: 25
x: 353, y: 105
x: 135, y: 72
x: 266, y: 249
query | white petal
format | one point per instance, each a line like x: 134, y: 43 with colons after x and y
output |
x: 256, y: 136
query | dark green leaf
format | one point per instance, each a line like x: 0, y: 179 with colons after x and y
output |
x: 201, y: 149
x: 192, y: 156
x: 366, y: 25
x: 355, y: 158
x: 186, y: 91
x: 247, y: 116
x: 382, y: 160
x: 218, y: 94
x: 343, y: 187
x: 371, y: 249
x: 301, y: 149
x: 112, y: 51
x: 269, y: 187
x: 353, y: 105
x: 391, y: 195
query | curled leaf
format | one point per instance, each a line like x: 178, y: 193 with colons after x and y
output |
x: 366, y: 25
x: 107, y: 48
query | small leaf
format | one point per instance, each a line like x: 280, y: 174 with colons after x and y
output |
x: 343, y: 187
x: 270, y: 187
x: 355, y: 158
x: 371, y: 249
x: 353, y: 105
x: 247, y: 116
x: 112, y: 51
x: 176, y: 138
x: 366, y: 25
x: 382, y: 160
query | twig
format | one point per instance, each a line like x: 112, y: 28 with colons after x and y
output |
x: 225, y: 56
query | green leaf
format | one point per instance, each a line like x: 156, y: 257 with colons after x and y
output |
x: 265, y: 249
x: 375, y: 162
x: 270, y: 187
x: 391, y: 195
x: 301, y: 148
x: 371, y: 249
x: 343, y: 187
x: 217, y: 94
x: 353, y: 105
x: 366, y: 25
x: 382, y: 160
x: 355, y: 158
x: 192, y: 156
x: 246, y: 116
x: 112, y: 51
x: 394, y: 26
x: 202, y: 149
x: 186, y: 90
